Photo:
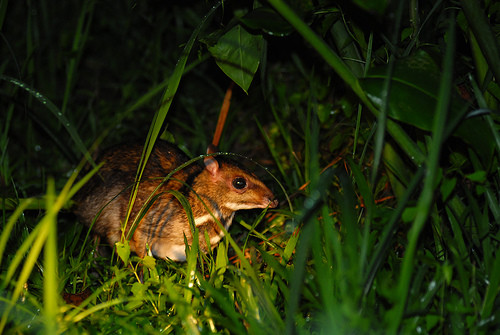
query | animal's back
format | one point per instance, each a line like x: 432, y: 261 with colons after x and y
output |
x: 110, y: 189
x: 125, y: 159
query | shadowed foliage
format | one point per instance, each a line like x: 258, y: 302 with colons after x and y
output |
x: 374, y: 122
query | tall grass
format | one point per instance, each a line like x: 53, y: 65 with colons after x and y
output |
x: 388, y: 220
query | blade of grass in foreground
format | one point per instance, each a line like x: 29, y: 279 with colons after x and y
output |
x: 35, y: 242
x: 166, y: 101
x: 394, y: 317
x: 311, y: 206
x: 50, y: 287
x: 259, y: 292
x: 44, y: 235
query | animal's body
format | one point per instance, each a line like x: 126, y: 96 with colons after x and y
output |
x: 218, y: 188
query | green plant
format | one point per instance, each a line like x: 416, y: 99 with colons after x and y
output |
x: 378, y: 122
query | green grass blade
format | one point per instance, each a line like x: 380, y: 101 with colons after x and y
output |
x: 389, y: 230
x: 76, y: 315
x: 492, y: 290
x: 19, y: 255
x: 425, y: 200
x: 50, y: 280
x: 55, y: 111
x: 344, y: 72
x: 311, y: 205
x: 360, y: 106
x: 321, y: 47
x: 40, y: 237
x: 483, y: 33
x: 382, y: 116
x: 260, y: 292
x: 226, y: 304
x: 369, y: 203
x: 81, y: 34
x: 166, y: 101
x: 102, y: 306
x: 23, y: 204
x: 483, y: 104
x: 36, y: 240
x: 175, y: 78
x: 350, y: 230
x: 192, y: 254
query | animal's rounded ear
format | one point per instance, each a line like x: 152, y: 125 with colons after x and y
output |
x: 211, y: 165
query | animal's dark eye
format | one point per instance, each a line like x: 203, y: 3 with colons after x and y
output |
x: 239, y: 183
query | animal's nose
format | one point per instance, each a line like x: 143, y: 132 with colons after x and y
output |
x: 273, y: 203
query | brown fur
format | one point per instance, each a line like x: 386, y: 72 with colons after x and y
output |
x: 165, y: 223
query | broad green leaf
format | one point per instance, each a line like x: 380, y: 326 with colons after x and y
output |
x: 221, y: 265
x: 139, y: 290
x: 221, y: 260
x: 123, y: 250
x: 476, y: 133
x: 413, y: 90
x: 140, y: 294
x: 149, y: 262
x: 345, y: 73
x: 238, y: 54
x: 290, y: 246
x: 447, y: 187
x: 478, y: 176
x: 413, y: 98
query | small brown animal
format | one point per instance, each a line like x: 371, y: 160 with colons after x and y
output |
x: 222, y: 185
